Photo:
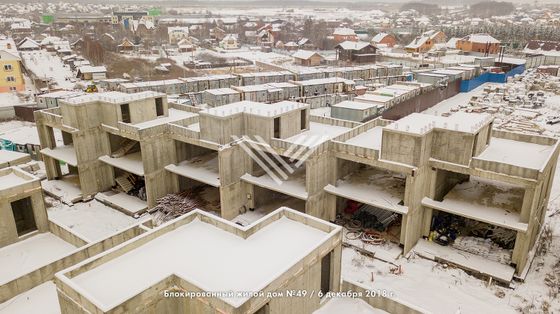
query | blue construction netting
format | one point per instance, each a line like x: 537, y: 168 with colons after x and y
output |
x: 468, y: 85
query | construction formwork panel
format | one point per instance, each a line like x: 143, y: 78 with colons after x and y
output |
x: 215, y: 100
x: 258, y: 96
x: 290, y: 92
x: 310, y: 76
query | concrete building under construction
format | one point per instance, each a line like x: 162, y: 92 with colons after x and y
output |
x: 410, y: 174
x: 286, y: 251
x: 431, y: 173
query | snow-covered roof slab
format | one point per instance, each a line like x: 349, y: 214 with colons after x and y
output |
x: 13, y: 177
x: 517, y: 153
x: 254, y: 108
x: 418, y: 123
x: 193, y: 249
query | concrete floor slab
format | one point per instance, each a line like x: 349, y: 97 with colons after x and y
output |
x: 131, y: 163
x: 128, y: 204
x: 293, y: 186
x: 466, y: 260
x: 65, y: 153
x: 66, y: 189
x: 373, y: 187
x: 202, y: 168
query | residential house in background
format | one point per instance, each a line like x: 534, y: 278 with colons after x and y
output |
x: 177, y: 33
x: 482, y: 43
x: 291, y: 46
x: 425, y: 42
x: 268, y: 35
x: 186, y: 45
x: 229, y: 42
x: 126, y: 45
x: 11, y: 77
x: 307, y: 58
x: 217, y: 33
x: 89, y: 72
x: 358, y: 52
x: 388, y: 40
x: 342, y: 34
x: 438, y: 37
x: 28, y: 44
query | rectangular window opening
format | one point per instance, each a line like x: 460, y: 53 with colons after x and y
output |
x: 23, y: 216
x: 125, y: 113
x: 159, y: 106
x: 326, y: 273
x: 277, y: 127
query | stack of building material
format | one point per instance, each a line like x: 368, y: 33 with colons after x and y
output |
x: 521, y: 125
x: 483, y: 247
x: 172, y: 206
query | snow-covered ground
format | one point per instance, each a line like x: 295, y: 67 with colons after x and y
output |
x: 256, y: 55
x: 455, y: 101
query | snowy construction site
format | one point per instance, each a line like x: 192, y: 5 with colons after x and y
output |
x: 463, y: 196
x: 322, y: 159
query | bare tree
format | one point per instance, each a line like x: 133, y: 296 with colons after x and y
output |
x: 93, y: 51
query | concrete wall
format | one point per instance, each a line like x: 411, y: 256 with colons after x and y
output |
x: 455, y: 147
x: 316, y: 180
x: 220, y: 130
x: 401, y: 147
x: 233, y: 163
x: 31, y: 189
x: 216, y: 100
x: 157, y: 153
x: 422, y: 102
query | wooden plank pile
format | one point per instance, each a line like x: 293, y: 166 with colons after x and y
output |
x: 172, y: 206
x: 520, y: 124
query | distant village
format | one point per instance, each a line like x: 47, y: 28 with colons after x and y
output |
x: 239, y: 155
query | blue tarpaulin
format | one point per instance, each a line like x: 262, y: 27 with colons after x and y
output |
x: 488, y: 77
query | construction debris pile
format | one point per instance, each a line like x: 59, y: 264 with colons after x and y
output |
x: 482, y: 239
x: 524, y: 104
x: 483, y: 247
x: 172, y: 206
x: 369, y: 224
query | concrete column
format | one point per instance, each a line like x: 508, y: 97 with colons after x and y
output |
x: 527, y: 205
x: 39, y: 211
x: 8, y: 231
x: 52, y: 167
x: 336, y: 268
